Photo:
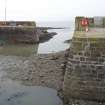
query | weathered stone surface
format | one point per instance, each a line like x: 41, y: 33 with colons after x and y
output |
x: 26, y: 34
x: 85, y: 71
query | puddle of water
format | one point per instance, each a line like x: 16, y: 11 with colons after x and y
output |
x: 29, y: 96
x: 12, y: 93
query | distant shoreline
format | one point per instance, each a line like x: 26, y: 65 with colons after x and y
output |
x: 50, y: 28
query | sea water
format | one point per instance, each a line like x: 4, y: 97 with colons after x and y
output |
x: 57, y: 44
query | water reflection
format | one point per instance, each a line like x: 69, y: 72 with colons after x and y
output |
x: 19, y: 49
x: 13, y: 93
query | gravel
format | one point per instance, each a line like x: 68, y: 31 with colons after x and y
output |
x: 38, y: 70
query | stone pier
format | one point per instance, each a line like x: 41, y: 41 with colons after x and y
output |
x: 18, y: 32
x: 84, y: 79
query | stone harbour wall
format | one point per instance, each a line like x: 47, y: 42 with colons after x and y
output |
x: 93, y: 22
x: 85, y: 71
x: 19, y: 34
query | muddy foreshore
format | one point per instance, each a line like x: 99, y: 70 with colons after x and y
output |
x: 44, y: 69
x: 37, y: 70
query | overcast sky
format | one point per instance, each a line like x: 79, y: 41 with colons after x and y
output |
x: 51, y: 10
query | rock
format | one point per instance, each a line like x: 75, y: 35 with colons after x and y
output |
x: 35, y: 70
x: 41, y: 75
x: 62, y: 66
x: 54, y: 57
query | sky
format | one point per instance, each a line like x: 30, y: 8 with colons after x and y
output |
x: 50, y: 10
